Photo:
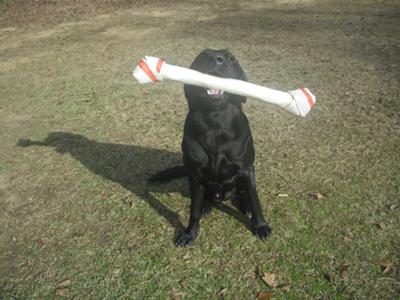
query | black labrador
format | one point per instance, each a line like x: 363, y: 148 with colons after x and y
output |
x: 218, y: 150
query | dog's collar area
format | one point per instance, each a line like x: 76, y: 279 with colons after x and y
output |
x: 214, y: 92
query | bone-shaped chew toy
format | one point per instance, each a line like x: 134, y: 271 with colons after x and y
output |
x: 153, y: 69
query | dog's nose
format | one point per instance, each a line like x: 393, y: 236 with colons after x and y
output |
x: 219, y: 59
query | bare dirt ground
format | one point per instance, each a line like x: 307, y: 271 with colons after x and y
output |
x: 79, y: 137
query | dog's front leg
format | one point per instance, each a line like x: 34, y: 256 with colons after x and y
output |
x: 258, y: 224
x: 197, y: 198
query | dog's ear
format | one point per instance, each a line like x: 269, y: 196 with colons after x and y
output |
x: 242, y: 73
x: 241, y: 76
x: 236, y: 99
x: 239, y: 73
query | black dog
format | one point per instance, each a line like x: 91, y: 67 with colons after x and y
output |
x: 217, y: 146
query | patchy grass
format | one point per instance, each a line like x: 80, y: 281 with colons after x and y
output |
x: 79, y: 137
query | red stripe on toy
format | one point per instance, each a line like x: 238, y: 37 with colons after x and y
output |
x: 308, y: 96
x: 159, y: 65
x: 143, y: 65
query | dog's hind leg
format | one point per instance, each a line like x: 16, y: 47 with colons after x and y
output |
x: 207, y: 206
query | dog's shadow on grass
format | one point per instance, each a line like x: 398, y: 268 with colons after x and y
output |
x: 128, y: 165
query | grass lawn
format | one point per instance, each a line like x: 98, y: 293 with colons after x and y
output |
x: 79, y: 138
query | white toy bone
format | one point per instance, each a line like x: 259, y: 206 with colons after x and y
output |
x: 153, y: 69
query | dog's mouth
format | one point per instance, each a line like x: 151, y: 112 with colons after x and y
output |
x: 215, y: 92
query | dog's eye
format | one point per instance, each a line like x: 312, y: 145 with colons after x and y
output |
x: 220, y: 60
x: 231, y: 58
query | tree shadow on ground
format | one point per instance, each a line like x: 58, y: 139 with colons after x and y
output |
x: 128, y: 165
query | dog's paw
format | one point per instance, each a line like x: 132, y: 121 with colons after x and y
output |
x: 241, y: 204
x: 245, y: 209
x: 185, y: 240
x: 262, y: 232
x: 206, y: 209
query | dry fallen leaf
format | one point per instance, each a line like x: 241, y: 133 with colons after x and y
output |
x: 283, y: 195
x: 127, y: 201
x: 116, y: 271
x: 270, y: 279
x: 317, y: 196
x: 284, y: 287
x: 387, y: 270
x: 183, y: 283
x: 348, y: 238
x: 343, y: 269
x: 222, y: 292
x: 186, y: 256
x: 264, y: 295
x: 385, y: 264
x: 65, y: 284
x: 381, y: 226
x: 177, y: 296
x: 40, y: 242
x: 382, y: 263
x: 62, y: 292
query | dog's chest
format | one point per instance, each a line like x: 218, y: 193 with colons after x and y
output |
x: 218, y: 137
x: 215, y: 139
x: 215, y: 144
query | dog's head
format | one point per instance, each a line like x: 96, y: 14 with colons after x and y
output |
x: 219, y: 63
